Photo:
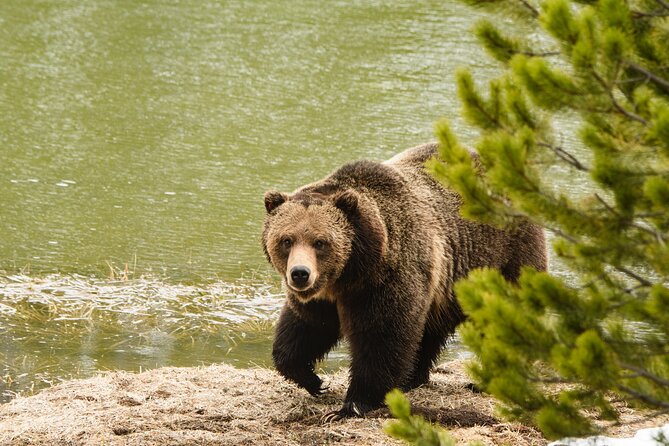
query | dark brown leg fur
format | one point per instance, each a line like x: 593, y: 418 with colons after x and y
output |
x: 383, y: 344
x: 303, y: 336
x: 439, y: 328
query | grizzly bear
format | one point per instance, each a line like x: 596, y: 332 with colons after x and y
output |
x: 370, y: 254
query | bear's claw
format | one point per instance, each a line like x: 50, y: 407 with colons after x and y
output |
x: 330, y: 417
x: 320, y: 390
x: 348, y: 410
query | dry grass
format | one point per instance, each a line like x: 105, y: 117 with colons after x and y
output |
x: 221, y: 405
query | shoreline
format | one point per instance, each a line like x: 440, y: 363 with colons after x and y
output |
x: 222, y: 405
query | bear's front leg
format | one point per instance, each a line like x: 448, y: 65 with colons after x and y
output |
x: 304, y: 334
x: 384, y: 340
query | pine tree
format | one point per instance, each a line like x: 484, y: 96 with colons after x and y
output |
x: 551, y: 349
x: 413, y: 428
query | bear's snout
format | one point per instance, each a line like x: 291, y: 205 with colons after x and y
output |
x: 302, y: 268
x: 300, y: 275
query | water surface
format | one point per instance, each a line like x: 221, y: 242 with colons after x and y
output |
x: 137, y: 139
x: 144, y: 133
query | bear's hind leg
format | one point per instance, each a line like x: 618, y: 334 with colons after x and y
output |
x: 438, y: 329
x: 303, y: 336
x: 430, y: 348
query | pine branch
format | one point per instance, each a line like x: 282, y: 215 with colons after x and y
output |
x: 614, y: 102
x: 491, y: 118
x: 534, y: 11
x: 631, y: 80
x: 658, y: 13
x: 642, y: 372
x: 658, y: 236
x: 561, y: 233
x: 659, y: 81
x: 663, y: 3
x: 565, y: 156
x: 542, y: 54
x: 634, y: 297
x: 643, y: 397
x: 633, y: 275
x: 624, y: 111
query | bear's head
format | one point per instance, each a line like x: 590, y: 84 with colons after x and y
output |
x: 313, y: 239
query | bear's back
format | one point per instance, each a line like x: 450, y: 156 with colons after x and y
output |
x: 415, y: 156
x: 430, y: 195
x: 405, y: 193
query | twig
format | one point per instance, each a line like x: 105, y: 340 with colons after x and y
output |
x: 650, y: 75
x: 645, y: 398
x: 633, y: 275
x: 614, y: 102
x: 544, y: 54
x: 659, y: 380
x: 658, y: 13
x: 607, y: 206
x: 565, y: 156
x: 534, y: 11
x: 649, y: 214
x: 630, y: 80
x: 563, y: 234
x: 663, y: 3
x: 635, y: 297
x: 658, y: 236
x: 626, y: 112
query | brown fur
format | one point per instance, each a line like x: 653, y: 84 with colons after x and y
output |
x: 384, y: 243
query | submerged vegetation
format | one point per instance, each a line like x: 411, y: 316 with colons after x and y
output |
x: 60, y: 327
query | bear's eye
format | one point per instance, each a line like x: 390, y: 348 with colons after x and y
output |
x: 286, y: 243
x: 319, y: 244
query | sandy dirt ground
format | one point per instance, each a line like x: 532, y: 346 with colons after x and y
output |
x: 222, y: 405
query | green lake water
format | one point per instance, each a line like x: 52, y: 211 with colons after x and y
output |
x: 137, y: 139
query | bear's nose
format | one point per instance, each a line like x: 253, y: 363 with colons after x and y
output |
x: 300, y: 275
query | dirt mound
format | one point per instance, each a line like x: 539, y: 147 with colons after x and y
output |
x: 221, y: 405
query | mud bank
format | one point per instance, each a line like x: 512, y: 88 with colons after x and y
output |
x: 221, y: 405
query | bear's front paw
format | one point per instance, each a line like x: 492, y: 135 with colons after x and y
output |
x: 313, y: 384
x: 318, y: 390
x: 306, y: 379
x: 348, y: 410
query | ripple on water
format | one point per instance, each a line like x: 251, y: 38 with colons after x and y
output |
x: 59, y: 327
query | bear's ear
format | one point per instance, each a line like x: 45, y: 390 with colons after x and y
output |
x: 274, y: 199
x: 347, y: 202
x: 370, y: 238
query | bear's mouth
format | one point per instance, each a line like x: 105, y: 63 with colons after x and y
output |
x: 308, y: 292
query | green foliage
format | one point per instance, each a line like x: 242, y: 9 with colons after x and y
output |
x: 499, y: 46
x: 552, y: 351
x: 412, y: 428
